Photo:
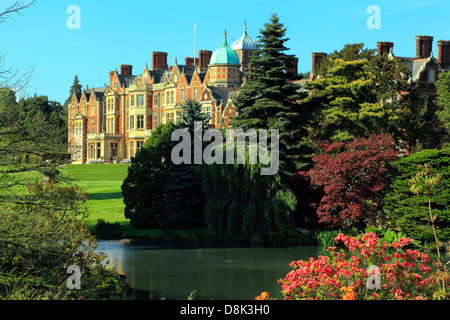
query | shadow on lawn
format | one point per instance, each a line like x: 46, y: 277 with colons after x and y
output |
x: 106, y: 195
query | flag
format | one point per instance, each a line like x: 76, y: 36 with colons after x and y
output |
x: 196, y: 26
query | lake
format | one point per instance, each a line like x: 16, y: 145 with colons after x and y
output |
x: 172, y: 271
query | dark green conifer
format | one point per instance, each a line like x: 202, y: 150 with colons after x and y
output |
x: 184, y: 198
x: 269, y: 98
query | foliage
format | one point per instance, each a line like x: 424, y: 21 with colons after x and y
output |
x: 261, y: 205
x: 443, y: 98
x: 31, y: 139
x: 143, y: 188
x: 402, y: 272
x: 325, y: 238
x: 74, y: 89
x: 183, y: 196
x: 359, y: 94
x: 106, y: 230
x: 268, y: 99
x: 352, y: 176
x: 41, y: 237
x: 410, y: 213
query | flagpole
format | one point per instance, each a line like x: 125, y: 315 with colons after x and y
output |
x: 195, y: 33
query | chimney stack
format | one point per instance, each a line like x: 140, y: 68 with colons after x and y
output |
x: 159, y: 60
x: 126, y: 70
x: 189, y: 61
x: 444, y: 53
x: 316, y: 60
x: 423, y: 46
x: 204, y: 56
x: 384, y: 47
x: 292, y: 67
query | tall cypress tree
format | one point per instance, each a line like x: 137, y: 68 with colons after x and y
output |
x: 268, y: 99
x: 184, y: 198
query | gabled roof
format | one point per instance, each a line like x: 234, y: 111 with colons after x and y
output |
x: 220, y: 94
x: 99, y: 93
x: 415, y: 66
x: 125, y: 81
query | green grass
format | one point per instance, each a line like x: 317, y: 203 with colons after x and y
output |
x: 103, y: 182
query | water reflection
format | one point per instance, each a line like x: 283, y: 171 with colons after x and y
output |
x: 172, y: 272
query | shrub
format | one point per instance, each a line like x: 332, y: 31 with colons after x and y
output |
x: 409, y: 213
x: 402, y: 272
x: 107, y: 230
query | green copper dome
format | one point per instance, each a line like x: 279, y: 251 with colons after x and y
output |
x: 224, y: 54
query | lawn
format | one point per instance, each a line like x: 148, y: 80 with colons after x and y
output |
x: 103, y: 182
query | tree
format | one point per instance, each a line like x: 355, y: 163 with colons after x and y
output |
x: 241, y: 205
x: 353, y: 176
x: 44, y: 235
x: 183, y: 196
x: 41, y: 227
x: 268, y: 99
x: 443, y: 98
x: 424, y: 182
x: 30, y: 140
x: 143, y: 188
x: 410, y: 213
x: 74, y: 89
x: 358, y: 94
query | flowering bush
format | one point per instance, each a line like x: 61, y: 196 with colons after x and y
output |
x: 399, y: 273
x: 263, y: 296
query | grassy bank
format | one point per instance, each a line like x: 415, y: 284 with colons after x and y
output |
x: 103, y: 182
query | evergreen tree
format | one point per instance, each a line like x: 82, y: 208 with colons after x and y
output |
x: 269, y: 99
x: 409, y: 213
x: 75, y: 88
x: 143, y: 188
x: 443, y: 98
x: 184, y: 198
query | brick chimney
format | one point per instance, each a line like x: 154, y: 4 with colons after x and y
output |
x: 126, y: 70
x: 423, y: 46
x: 204, y: 56
x: 159, y: 60
x: 189, y: 61
x: 292, y: 66
x: 316, y: 60
x: 444, y: 53
x: 383, y: 47
x: 111, y: 76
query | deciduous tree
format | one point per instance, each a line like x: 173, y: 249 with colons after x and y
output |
x: 353, y: 176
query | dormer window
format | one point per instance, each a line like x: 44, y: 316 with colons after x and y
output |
x: 175, y: 78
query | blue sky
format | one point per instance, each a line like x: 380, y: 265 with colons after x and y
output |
x: 126, y: 32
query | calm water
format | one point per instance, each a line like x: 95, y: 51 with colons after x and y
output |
x: 172, y: 272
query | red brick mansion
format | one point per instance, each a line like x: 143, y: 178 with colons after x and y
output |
x: 111, y: 123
